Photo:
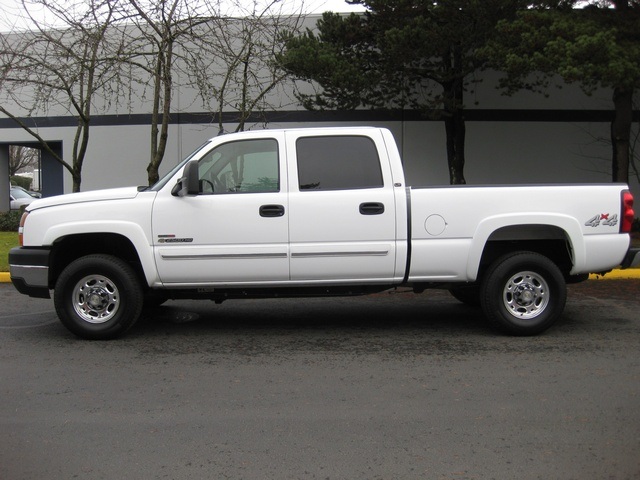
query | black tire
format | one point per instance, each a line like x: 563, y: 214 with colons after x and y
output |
x: 523, y: 293
x: 468, y: 294
x: 98, y: 297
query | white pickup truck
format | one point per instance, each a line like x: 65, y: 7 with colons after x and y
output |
x: 315, y: 212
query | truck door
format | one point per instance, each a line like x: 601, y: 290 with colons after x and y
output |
x: 235, y: 230
x: 342, y: 223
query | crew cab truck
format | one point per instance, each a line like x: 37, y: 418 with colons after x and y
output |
x: 315, y: 212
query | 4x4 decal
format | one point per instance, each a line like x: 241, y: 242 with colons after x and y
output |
x: 602, y: 219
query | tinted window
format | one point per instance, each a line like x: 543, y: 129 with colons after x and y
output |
x: 337, y: 163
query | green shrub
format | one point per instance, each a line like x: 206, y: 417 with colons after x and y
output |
x: 23, y: 182
x: 10, y: 221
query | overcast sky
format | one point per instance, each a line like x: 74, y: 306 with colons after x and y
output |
x: 13, y: 12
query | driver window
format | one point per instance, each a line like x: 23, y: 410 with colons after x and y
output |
x: 246, y: 166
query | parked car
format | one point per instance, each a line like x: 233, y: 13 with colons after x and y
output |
x: 19, y: 198
x: 30, y: 192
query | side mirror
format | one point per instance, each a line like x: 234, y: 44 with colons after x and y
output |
x: 189, y: 183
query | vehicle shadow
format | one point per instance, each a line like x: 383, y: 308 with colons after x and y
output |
x: 392, y: 325
x: 384, y: 322
x: 400, y: 311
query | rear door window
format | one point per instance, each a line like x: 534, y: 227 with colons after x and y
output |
x: 337, y: 163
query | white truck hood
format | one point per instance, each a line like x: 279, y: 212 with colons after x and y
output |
x: 82, y: 197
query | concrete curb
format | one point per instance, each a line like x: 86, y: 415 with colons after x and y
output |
x: 631, y: 273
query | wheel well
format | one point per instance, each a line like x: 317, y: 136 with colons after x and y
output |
x: 68, y: 249
x: 550, y: 241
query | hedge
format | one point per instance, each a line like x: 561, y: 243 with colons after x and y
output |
x: 10, y: 221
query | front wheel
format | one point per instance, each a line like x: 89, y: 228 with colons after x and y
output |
x: 523, y: 293
x: 98, y: 297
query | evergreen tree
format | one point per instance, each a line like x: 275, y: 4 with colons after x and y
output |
x: 595, y: 46
x: 415, y: 54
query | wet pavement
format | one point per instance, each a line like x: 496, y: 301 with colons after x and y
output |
x: 389, y: 386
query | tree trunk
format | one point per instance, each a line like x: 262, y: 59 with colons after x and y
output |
x: 76, y: 175
x: 160, y: 120
x: 455, y: 129
x: 622, y: 120
x: 621, y: 133
x: 453, y: 92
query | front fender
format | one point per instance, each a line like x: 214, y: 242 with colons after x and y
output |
x: 132, y: 231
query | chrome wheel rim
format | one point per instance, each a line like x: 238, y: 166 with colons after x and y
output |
x: 526, y: 295
x: 96, y: 299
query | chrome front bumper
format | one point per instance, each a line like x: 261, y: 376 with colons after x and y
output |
x: 29, y: 271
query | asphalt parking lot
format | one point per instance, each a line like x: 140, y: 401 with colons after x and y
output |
x: 391, y: 386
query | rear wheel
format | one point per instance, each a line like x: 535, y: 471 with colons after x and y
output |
x: 98, y: 297
x: 523, y: 293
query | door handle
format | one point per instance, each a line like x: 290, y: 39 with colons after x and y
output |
x: 371, y: 208
x: 271, y: 210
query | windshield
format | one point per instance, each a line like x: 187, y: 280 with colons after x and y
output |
x: 163, y: 181
x: 18, y: 193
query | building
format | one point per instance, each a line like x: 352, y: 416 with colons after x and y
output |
x: 522, y: 139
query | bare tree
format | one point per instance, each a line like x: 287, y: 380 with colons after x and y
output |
x: 228, y: 58
x: 163, y: 28
x: 58, y: 67
x: 239, y: 75
x: 163, y: 45
x: 22, y: 157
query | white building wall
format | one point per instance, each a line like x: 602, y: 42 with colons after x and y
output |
x: 497, y: 151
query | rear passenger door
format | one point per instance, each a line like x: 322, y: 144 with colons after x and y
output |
x: 341, y: 208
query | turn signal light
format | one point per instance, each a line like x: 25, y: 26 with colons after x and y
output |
x: 21, y: 228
